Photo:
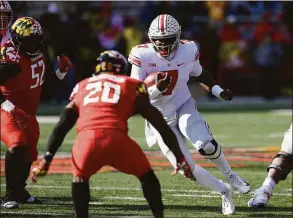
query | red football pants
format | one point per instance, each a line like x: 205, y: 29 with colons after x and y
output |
x: 13, y: 135
x: 94, y: 149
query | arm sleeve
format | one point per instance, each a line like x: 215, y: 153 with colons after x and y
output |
x: 67, y: 120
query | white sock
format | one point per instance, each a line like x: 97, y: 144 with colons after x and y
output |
x: 269, y: 184
x: 222, y: 165
x: 207, y: 180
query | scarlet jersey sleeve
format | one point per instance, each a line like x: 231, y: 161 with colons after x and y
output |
x: 135, y: 57
x: 74, y: 92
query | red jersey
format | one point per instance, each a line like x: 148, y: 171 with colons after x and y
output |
x: 24, y: 89
x: 106, y: 101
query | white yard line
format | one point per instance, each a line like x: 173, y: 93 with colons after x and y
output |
x: 26, y: 214
x: 196, y: 196
x: 125, y: 198
x: 283, y: 193
x: 47, y: 119
x: 285, y: 112
x: 31, y: 213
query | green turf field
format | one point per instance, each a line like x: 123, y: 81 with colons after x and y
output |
x: 237, y: 129
x: 118, y: 195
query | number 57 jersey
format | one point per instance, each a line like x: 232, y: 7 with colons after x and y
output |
x: 185, y: 63
x: 23, y: 89
x: 106, y: 101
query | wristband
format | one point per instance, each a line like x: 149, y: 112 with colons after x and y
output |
x: 217, y: 90
x: 59, y: 74
x: 48, y: 156
x: 154, y: 91
x: 7, y: 106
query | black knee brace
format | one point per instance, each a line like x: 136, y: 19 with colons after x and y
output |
x: 207, y: 146
x: 282, y: 162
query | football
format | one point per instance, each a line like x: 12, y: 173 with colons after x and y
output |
x: 150, y: 80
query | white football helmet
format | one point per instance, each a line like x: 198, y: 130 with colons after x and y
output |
x: 5, y: 15
x: 164, y: 33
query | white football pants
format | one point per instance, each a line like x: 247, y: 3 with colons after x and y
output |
x: 186, y: 123
x: 287, y: 141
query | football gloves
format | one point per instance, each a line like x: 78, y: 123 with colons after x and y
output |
x: 19, y: 115
x: 163, y: 80
x: 183, y: 166
x: 227, y: 95
x: 64, y: 63
x: 40, y: 171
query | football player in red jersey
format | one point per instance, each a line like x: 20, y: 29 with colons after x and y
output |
x: 101, y: 105
x: 22, y: 74
x: 5, y: 20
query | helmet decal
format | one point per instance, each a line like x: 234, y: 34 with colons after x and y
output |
x: 111, y: 62
x: 26, y: 26
x: 27, y: 36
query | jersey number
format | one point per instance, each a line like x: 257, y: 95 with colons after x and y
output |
x: 38, y: 70
x: 110, y: 92
x: 174, y: 77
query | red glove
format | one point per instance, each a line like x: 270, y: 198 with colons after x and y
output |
x: 40, y: 171
x: 19, y: 115
x: 64, y: 63
x: 184, y: 166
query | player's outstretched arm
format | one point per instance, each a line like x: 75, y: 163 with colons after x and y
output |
x: 208, y: 83
x: 64, y: 64
x: 67, y: 120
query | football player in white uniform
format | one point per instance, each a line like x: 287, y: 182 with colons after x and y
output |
x: 179, y: 59
x: 5, y: 20
x: 281, y: 166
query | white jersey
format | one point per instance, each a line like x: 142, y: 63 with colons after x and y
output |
x: 185, y: 63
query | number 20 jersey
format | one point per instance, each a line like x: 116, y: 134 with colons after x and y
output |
x: 185, y: 63
x: 106, y: 101
x: 23, y: 89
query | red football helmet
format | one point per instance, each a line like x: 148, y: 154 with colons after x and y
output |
x: 5, y: 15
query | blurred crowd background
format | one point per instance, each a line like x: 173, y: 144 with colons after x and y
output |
x: 246, y: 46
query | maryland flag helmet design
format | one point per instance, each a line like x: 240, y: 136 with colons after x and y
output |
x: 112, y: 62
x: 27, y: 35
